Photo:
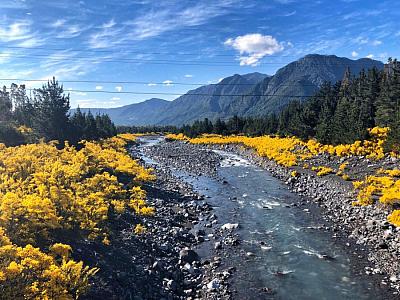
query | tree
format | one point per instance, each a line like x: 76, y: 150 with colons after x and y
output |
x: 51, y: 107
x: 23, y: 106
x: 5, y: 106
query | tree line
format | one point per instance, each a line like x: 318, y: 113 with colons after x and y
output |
x: 338, y: 113
x: 46, y: 115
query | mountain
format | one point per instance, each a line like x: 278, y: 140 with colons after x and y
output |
x: 253, y: 94
x: 300, y: 78
x: 208, y: 101
x: 142, y: 113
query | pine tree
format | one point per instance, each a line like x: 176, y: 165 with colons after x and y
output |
x: 51, y: 107
x: 5, y: 106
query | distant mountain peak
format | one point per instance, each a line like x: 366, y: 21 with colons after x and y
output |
x: 264, y: 94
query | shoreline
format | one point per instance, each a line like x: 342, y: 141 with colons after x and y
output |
x: 327, y: 192
x: 307, y: 186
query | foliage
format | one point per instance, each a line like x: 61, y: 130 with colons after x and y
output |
x: 46, y: 192
x: 322, y: 171
x: 45, y: 115
x: 394, y: 217
x: 28, y: 273
x: 339, y: 113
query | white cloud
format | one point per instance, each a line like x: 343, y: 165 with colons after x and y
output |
x: 115, y: 99
x: 253, y: 47
x: 4, y: 57
x: 58, y: 23
x: 188, y: 76
x: 106, y: 37
x: 151, y: 84
x: 118, y: 88
x: 290, y: 14
x: 71, y: 31
x: 168, y: 82
x: 79, y: 93
x: 15, y: 32
x: 361, y: 40
x: 90, y: 103
x: 159, y: 19
x: 376, y: 43
x: 109, y: 24
x: 370, y: 56
x: 354, y: 54
x: 99, y: 87
x: 32, y: 42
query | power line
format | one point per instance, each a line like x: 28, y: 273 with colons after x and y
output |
x: 163, y: 62
x: 134, y: 52
x: 180, y: 94
x: 143, y: 82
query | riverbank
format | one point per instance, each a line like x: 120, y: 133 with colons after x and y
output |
x: 333, y: 196
x: 364, y: 229
x: 189, y: 226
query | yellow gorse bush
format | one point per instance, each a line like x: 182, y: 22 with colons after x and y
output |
x: 28, y: 273
x: 322, y: 171
x: 43, y: 188
x: 394, y: 217
x: 289, y: 151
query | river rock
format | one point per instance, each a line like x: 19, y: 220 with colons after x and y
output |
x: 229, y: 226
x: 188, y: 255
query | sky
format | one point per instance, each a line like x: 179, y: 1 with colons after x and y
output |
x: 109, y: 53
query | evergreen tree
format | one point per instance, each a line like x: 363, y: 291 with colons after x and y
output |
x: 51, y: 107
x: 5, y: 106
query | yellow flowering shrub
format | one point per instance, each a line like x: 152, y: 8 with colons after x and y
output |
x: 28, y: 273
x: 372, y: 186
x: 44, y: 189
x: 139, y: 229
x: 322, y: 171
x: 391, y: 193
x: 289, y: 151
x: 394, y: 217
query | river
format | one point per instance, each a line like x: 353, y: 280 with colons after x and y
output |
x: 281, y: 247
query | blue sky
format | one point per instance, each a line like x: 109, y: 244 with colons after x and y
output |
x: 162, y: 44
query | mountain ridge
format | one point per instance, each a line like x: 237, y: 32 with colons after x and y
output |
x: 262, y: 94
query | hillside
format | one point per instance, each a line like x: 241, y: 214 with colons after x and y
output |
x: 143, y: 113
x: 300, y: 78
x: 208, y: 101
x: 262, y: 94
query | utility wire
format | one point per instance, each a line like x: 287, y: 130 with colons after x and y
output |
x: 133, y: 52
x: 53, y: 58
x: 180, y: 94
x: 143, y: 82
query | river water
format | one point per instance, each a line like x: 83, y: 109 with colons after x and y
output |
x: 291, y: 257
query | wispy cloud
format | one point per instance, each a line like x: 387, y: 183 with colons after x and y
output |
x: 118, y: 88
x: 158, y: 20
x: 16, y: 31
x: 71, y: 31
x: 289, y: 14
x: 376, y: 43
x: 99, y: 87
x: 13, y: 4
x: 168, y: 82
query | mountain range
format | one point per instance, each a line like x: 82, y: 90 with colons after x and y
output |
x: 252, y: 94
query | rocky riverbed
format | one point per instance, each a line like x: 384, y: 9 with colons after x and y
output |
x: 364, y: 230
